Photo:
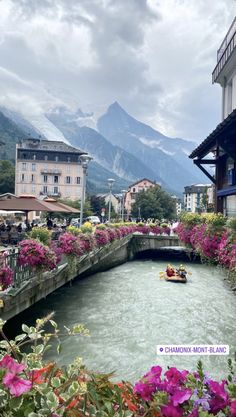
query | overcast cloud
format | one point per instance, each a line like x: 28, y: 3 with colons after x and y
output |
x: 154, y: 57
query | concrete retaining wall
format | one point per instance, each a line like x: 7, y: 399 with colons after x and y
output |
x: 102, y: 259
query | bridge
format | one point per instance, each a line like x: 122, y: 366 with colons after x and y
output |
x: 101, y: 259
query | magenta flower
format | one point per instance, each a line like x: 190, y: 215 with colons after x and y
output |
x: 180, y: 396
x: 16, y: 385
x: 233, y: 409
x: 171, y: 411
x: 176, y: 377
x: 9, y: 363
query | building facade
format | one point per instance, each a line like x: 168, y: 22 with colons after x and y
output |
x: 219, y: 148
x: 198, y: 197
x: 48, y: 168
x: 134, y: 189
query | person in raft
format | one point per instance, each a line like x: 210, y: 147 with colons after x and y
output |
x: 170, y: 271
x: 181, y: 271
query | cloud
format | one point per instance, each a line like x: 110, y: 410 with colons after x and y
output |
x: 154, y: 57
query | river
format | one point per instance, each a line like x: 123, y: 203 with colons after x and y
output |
x: 129, y: 310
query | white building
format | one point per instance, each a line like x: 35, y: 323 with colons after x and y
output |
x: 219, y: 148
x: 194, y: 197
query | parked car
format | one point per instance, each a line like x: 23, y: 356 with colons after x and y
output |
x: 93, y: 219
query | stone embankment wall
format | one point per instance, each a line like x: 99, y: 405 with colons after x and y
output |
x: 101, y: 259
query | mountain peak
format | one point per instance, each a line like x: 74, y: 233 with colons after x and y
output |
x: 116, y: 107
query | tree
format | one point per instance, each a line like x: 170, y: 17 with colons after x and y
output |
x: 154, y: 203
x: 97, y: 203
x: 7, y: 177
x: 204, y: 200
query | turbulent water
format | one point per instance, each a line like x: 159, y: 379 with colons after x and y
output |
x: 129, y: 310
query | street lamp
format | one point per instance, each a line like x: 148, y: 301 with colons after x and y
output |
x: 85, y: 159
x: 123, y: 204
x: 110, y: 184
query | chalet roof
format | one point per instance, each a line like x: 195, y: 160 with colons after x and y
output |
x: 205, y: 147
x: 48, y: 145
x: 143, y: 179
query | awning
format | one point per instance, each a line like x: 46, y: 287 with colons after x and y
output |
x: 27, y: 204
x: 226, y: 191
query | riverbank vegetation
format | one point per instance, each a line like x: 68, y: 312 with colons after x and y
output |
x: 32, y: 387
x: 212, y: 236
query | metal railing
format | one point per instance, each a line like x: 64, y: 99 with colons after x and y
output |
x: 225, y: 51
x: 21, y: 273
x: 51, y: 171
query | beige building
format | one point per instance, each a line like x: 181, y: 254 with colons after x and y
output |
x: 134, y: 189
x: 48, y: 168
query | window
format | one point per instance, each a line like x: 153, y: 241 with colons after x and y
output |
x: 24, y: 166
x: 56, y: 158
x: 32, y: 177
x: 133, y: 190
x: 45, y: 189
x: 45, y: 178
x: 45, y: 158
x: 33, y: 189
x: 56, y: 178
x: 68, y: 159
x: 22, y: 177
x: 33, y: 167
x: 67, y: 180
x: 34, y: 157
x: 55, y: 190
x: 77, y: 180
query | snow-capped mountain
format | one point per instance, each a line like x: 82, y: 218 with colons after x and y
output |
x: 122, y: 147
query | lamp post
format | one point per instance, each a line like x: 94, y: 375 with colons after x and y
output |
x: 85, y: 159
x: 110, y: 184
x: 123, y: 204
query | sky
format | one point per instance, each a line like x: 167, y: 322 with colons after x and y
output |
x: 155, y: 57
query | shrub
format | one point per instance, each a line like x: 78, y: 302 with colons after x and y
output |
x: 87, y: 227
x: 73, y: 230
x: 69, y: 244
x: 35, y: 254
x: 231, y: 223
x: 40, y: 233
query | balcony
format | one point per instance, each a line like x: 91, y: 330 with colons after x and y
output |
x: 51, y: 194
x: 51, y: 171
x: 225, y: 50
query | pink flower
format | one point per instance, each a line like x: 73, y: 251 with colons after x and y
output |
x: 181, y: 396
x: 9, y: 363
x: 16, y: 385
x: 233, y: 409
x: 171, y: 411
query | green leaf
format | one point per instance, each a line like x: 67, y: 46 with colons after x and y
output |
x: 25, y: 328
x: 53, y: 323
x: 56, y: 382
x: 74, y: 387
x: 15, y: 403
x: 20, y: 337
x: 52, y: 400
x: 59, y: 348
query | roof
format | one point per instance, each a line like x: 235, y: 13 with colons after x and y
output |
x: 205, y: 147
x: 143, y: 179
x: 33, y: 204
x: 48, y: 145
